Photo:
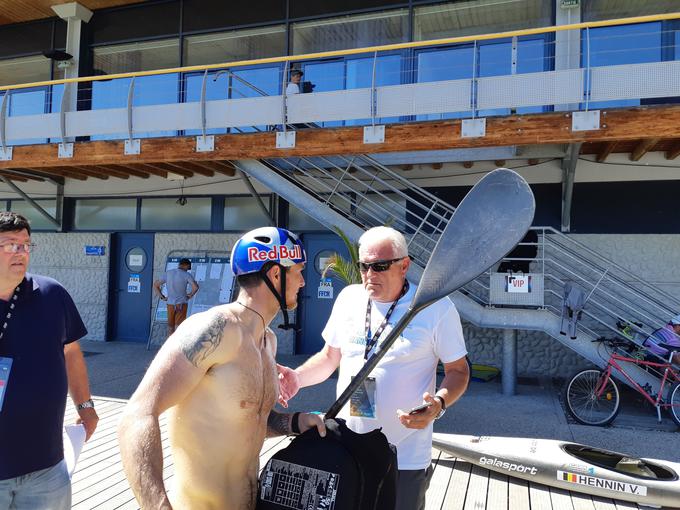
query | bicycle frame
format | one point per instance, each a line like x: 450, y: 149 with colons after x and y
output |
x: 668, y: 374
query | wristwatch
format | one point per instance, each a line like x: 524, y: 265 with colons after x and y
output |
x: 88, y: 404
x: 441, y: 401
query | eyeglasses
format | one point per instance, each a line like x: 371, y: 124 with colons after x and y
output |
x: 17, y: 247
x: 378, y: 266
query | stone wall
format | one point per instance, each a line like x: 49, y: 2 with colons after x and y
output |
x: 62, y: 257
x: 180, y: 245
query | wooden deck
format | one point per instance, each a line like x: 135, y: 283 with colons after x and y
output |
x: 99, y: 481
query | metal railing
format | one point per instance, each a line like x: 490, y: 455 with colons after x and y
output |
x: 179, y: 101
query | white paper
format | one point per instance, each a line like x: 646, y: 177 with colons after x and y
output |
x: 74, y: 439
x: 201, y: 271
x: 225, y: 287
x: 215, y: 271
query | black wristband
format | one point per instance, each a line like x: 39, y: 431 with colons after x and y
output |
x: 295, y: 424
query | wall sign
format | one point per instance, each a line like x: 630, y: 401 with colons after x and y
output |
x: 325, y: 290
x: 518, y: 283
x: 95, y: 251
x: 134, y: 285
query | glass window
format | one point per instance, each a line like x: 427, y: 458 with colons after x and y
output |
x: 243, y: 213
x: 299, y: 220
x: 235, y: 45
x: 105, y: 214
x: 149, y: 90
x: 24, y: 70
x: 37, y: 220
x: 597, y: 10
x: 360, y: 75
x: 350, y: 31
x: 479, y: 17
x: 449, y: 64
x: 170, y: 214
x: 623, y: 44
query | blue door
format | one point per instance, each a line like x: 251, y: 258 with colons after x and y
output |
x: 317, y: 296
x: 131, y: 287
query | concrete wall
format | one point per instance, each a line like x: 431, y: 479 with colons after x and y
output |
x: 195, y: 245
x: 62, y: 257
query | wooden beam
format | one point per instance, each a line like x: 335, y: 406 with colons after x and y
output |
x: 674, y: 152
x: 225, y: 167
x: 127, y: 169
x: 437, y: 166
x: 605, y: 152
x: 14, y: 177
x: 195, y: 166
x: 107, y: 172
x: 532, y: 161
x: 468, y: 164
x: 548, y: 128
x: 163, y: 166
x: 89, y: 172
x: 60, y: 172
x: 500, y: 163
x: 152, y: 170
x: 643, y: 147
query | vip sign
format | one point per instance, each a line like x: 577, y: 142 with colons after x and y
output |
x: 518, y: 284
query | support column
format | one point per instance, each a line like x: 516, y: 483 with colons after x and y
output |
x: 569, y: 163
x: 567, y: 43
x: 74, y: 14
x: 509, y: 368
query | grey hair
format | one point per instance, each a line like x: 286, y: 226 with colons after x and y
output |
x: 380, y: 234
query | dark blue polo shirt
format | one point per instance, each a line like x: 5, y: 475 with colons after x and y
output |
x: 44, y: 319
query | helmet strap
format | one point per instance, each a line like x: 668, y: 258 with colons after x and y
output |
x: 280, y: 297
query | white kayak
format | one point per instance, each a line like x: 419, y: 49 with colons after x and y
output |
x: 571, y: 466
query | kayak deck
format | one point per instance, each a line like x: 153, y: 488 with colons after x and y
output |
x: 99, y: 481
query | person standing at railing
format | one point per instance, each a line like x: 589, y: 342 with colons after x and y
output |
x: 293, y: 86
x: 669, y: 335
x: 400, y: 396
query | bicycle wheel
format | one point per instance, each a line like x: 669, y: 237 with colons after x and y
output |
x: 585, y: 405
x: 674, y: 401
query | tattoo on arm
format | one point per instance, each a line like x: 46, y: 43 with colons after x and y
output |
x: 197, y: 345
x: 278, y: 424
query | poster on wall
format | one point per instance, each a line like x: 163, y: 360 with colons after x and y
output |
x: 215, y: 279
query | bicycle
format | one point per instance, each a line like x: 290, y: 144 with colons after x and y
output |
x: 592, y: 396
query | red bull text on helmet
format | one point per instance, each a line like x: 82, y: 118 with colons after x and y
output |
x: 277, y: 252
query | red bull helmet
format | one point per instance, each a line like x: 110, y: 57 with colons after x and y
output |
x: 266, y: 244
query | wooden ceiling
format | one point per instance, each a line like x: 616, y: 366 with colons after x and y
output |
x: 16, y: 11
x: 634, y: 131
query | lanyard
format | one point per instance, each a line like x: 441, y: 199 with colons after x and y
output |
x: 12, y: 304
x: 372, y: 341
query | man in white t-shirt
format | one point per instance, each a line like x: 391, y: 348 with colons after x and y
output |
x: 293, y: 86
x: 362, y: 317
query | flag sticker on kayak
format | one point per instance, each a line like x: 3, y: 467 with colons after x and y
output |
x: 602, y: 483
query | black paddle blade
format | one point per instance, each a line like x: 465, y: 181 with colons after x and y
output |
x: 492, y: 218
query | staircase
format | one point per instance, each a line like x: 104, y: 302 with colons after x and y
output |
x: 354, y: 193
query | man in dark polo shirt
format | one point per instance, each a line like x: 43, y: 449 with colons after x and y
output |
x: 39, y: 360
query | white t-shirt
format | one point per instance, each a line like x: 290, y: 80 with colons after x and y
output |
x: 406, y: 372
x: 292, y: 88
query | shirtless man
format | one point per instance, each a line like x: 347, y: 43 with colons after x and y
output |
x: 217, y: 378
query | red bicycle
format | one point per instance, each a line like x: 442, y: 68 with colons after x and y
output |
x: 593, y: 398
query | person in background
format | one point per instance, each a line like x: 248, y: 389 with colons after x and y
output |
x: 177, y: 299
x: 293, y: 86
x: 39, y: 361
x: 669, y: 335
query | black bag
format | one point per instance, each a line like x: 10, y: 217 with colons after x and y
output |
x: 343, y: 471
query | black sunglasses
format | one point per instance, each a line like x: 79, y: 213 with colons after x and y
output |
x: 378, y: 266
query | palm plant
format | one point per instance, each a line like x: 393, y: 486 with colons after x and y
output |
x: 345, y: 270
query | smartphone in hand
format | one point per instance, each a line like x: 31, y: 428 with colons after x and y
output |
x: 419, y: 409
